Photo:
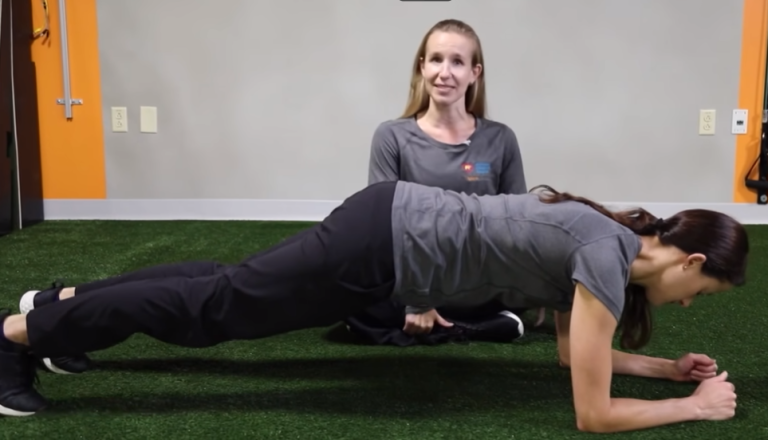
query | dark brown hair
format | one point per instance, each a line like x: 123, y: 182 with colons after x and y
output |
x: 722, y: 239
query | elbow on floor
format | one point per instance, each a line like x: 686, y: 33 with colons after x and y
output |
x: 592, y: 424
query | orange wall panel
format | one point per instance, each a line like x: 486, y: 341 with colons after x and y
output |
x: 72, y: 151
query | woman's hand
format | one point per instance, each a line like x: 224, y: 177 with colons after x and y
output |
x: 715, y: 398
x: 419, y: 323
x: 693, y: 367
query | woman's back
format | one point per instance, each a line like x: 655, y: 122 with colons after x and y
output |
x: 513, y: 246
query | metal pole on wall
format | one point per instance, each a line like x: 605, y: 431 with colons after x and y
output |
x: 67, y: 101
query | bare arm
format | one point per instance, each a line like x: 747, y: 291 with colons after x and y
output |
x: 591, y: 361
x: 639, y: 365
x: 622, y: 362
x: 562, y: 327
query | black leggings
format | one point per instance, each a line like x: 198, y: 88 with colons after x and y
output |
x: 316, y: 278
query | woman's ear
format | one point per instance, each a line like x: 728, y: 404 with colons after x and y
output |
x: 695, y: 260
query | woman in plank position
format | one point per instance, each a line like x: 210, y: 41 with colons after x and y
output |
x: 600, y: 270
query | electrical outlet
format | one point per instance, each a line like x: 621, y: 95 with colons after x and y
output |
x: 707, y: 122
x: 148, y: 119
x: 119, y: 119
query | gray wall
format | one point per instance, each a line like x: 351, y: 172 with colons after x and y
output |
x: 278, y: 100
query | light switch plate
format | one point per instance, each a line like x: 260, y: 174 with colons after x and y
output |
x: 739, y: 123
x: 148, y: 119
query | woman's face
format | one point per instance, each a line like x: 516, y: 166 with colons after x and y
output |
x: 447, y: 67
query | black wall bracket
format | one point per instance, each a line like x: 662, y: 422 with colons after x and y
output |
x: 760, y: 185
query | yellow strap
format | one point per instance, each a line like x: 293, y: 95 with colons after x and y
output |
x: 43, y: 30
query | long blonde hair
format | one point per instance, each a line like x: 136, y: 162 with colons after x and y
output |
x: 474, y: 99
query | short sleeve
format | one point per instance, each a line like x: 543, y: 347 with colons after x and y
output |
x: 384, y: 165
x: 603, y: 267
x: 512, y: 180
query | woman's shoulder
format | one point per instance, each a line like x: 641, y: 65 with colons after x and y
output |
x: 494, y: 125
x: 492, y: 129
x: 394, y: 126
x: 390, y: 135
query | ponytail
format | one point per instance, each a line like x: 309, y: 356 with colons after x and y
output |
x: 636, y: 320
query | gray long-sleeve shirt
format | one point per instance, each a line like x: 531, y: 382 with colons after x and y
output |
x: 488, y: 163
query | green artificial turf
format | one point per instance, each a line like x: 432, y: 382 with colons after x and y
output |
x: 319, y: 384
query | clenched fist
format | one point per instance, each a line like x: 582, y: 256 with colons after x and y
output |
x: 715, y: 398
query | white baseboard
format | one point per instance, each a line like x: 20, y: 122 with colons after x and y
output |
x: 188, y: 209
x: 301, y: 210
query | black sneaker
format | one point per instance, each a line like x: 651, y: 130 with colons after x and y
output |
x: 18, y: 377
x: 63, y: 364
x: 504, y: 327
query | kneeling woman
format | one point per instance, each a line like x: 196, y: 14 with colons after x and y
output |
x: 600, y: 270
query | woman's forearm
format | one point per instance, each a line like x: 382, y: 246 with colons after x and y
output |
x: 639, y: 365
x: 634, y: 414
x: 634, y: 365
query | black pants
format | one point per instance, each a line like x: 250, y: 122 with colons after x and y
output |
x: 317, y: 278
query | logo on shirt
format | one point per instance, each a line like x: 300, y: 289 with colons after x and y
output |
x: 476, y: 170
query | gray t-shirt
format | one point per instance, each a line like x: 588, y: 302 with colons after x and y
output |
x: 454, y: 249
x: 488, y: 163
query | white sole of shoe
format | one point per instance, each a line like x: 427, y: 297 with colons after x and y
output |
x: 27, y: 301
x: 53, y: 368
x: 520, y: 326
x: 14, y: 413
